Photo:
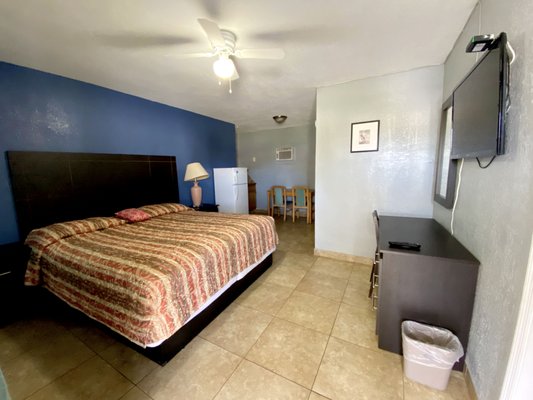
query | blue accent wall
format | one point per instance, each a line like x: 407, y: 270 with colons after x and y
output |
x: 45, y: 112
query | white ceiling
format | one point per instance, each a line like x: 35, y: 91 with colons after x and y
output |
x: 131, y: 46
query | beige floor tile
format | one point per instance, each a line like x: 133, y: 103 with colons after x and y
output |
x: 360, y: 273
x: 237, y: 328
x: 352, y: 372
x: 22, y: 336
x: 128, y: 362
x: 292, y: 231
x: 290, y: 350
x: 94, y: 337
x: 94, y: 379
x: 135, y: 394
x: 33, y: 370
x: 311, y: 311
x: 316, y: 396
x: 338, y: 269
x: 456, y: 390
x: 298, y: 260
x: 197, y: 372
x: 323, y: 285
x: 278, y: 256
x: 356, y: 294
x: 265, y: 297
x: 251, y: 382
x: 303, y: 248
x: 356, y: 325
x: 284, y: 244
x: 296, y: 247
x: 284, y: 276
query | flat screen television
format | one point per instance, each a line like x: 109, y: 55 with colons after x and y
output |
x: 479, y: 106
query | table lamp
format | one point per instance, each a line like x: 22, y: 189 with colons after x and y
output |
x: 195, y: 172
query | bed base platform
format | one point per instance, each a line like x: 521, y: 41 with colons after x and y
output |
x: 169, y: 348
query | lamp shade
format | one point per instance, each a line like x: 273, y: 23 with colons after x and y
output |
x: 195, y: 172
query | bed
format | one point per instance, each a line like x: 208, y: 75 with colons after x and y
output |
x: 156, y: 280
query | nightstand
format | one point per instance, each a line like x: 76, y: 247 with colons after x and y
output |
x: 13, y: 257
x: 207, y: 207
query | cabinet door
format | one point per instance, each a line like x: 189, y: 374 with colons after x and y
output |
x: 251, y: 197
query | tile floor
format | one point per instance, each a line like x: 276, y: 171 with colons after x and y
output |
x: 304, y: 330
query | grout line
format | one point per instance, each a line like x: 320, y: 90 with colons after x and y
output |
x: 136, y: 387
x: 327, y: 344
x: 320, y: 363
x: 257, y: 340
x: 278, y: 374
x: 62, y: 375
x: 125, y: 377
x: 262, y: 333
x: 295, y: 289
x: 229, y: 377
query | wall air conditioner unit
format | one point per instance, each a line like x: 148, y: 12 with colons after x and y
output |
x: 285, y: 154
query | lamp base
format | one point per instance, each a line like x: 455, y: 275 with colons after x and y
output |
x: 196, y: 194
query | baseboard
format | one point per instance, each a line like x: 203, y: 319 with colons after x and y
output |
x: 470, y: 385
x: 343, y: 257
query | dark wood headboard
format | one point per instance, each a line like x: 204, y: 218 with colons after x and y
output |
x: 54, y: 187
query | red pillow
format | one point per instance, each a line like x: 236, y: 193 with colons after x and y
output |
x: 133, y: 215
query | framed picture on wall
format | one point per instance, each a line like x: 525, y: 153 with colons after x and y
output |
x: 365, y: 136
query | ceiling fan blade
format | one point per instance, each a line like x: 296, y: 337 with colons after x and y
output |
x: 268, y: 54
x: 212, y: 32
x: 235, y: 75
x: 193, y: 55
x: 134, y: 40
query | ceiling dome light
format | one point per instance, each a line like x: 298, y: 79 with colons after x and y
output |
x: 279, y: 118
x: 224, y: 67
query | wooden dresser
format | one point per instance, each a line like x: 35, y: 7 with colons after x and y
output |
x: 435, y: 285
x: 252, y: 193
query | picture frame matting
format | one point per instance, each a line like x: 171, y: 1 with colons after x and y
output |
x: 364, y: 136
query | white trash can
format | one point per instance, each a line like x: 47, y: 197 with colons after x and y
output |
x: 429, y: 353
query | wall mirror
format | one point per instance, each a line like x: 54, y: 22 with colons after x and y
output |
x: 446, y: 171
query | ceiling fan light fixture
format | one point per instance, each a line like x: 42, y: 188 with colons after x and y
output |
x: 224, y: 67
x: 279, y: 118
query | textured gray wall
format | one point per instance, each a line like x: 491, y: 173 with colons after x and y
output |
x: 494, y: 217
x: 397, y: 179
x: 266, y: 171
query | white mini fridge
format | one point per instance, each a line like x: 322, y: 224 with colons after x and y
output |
x: 231, y: 190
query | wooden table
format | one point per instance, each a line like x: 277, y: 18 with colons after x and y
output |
x: 289, y: 192
x: 435, y: 285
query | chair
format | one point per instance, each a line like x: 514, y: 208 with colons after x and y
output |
x: 300, y: 197
x: 279, y: 200
x: 374, y: 274
x: 375, y: 217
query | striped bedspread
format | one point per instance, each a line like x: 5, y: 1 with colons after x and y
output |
x: 145, y: 279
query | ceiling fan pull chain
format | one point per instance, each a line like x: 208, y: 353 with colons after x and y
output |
x: 230, y: 92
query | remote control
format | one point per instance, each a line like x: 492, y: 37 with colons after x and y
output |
x: 405, y: 245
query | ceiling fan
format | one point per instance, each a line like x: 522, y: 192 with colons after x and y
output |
x: 223, y: 43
